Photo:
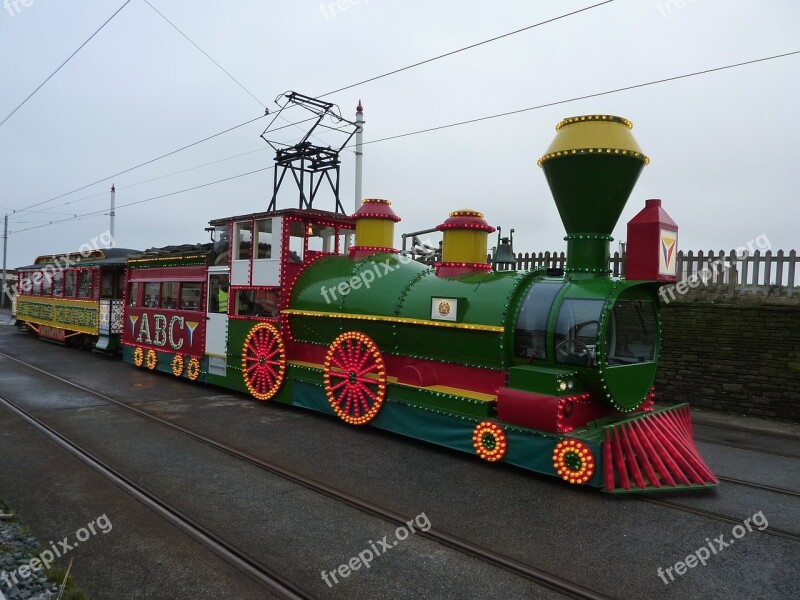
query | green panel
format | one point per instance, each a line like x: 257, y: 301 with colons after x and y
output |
x: 591, y: 190
x: 544, y: 380
x: 628, y: 384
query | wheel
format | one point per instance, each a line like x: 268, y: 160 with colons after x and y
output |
x: 193, y: 369
x: 152, y: 359
x: 490, y: 441
x: 138, y: 356
x: 573, y: 461
x: 355, y: 378
x: 263, y: 361
x: 177, y: 365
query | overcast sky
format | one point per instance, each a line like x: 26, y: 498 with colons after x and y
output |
x: 724, y: 146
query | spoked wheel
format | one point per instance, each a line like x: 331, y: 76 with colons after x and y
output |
x: 263, y: 361
x: 355, y: 378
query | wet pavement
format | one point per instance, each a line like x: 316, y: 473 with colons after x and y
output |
x: 612, y: 544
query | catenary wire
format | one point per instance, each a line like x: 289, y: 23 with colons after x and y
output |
x: 292, y: 124
x: 470, y: 121
x: 49, y: 77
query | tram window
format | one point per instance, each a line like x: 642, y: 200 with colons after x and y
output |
x: 297, y: 237
x: 58, y: 284
x: 257, y: 303
x: 83, y: 284
x: 151, y: 295
x: 107, y: 285
x: 530, y: 334
x: 69, y: 284
x: 575, y: 338
x: 190, y: 296
x: 47, y: 283
x: 219, y: 284
x: 169, y: 295
x: 133, y: 293
x: 632, y: 334
x: 243, y: 240
x: 264, y: 238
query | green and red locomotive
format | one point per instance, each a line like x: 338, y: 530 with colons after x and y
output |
x: 549, y: 370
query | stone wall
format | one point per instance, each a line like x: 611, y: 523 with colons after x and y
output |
x: 742, y: 356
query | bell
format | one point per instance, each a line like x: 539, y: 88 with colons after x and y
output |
x: 504, y: 254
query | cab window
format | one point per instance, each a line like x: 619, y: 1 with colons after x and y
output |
x: 530, y: 334
x: 632, y: 333
x: 575, y: 336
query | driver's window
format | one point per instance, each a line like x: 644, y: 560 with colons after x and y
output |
x: 575, y: 336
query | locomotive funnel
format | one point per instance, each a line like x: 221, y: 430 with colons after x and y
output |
x: 591, y: 168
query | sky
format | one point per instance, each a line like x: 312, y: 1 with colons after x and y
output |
x: 723, y: 145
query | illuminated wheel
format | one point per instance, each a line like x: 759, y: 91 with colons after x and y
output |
x: 177, y: 365
x: 263, y: 361
x: 193, y: 369
x: 355, y: 378
x: 151, y: 360
x: 138, y: 356
x: 490, y: 441
x: 573, y: 461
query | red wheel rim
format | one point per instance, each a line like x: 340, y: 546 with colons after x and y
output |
x: 355, y: 378
x: 263, y: 361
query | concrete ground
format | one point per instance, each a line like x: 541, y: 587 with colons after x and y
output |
x: 612, y: 544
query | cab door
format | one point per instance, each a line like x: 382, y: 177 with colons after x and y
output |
x: 217, y: 318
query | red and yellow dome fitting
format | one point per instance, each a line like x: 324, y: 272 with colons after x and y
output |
x: 374, y: 228
x: 465, y: 244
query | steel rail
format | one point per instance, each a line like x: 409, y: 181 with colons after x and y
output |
x: 538, y: 576
x: 239, y: 559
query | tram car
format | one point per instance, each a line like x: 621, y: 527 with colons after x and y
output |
x: 73, y: 298
x: 549, y: 370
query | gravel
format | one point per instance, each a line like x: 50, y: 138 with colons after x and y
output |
x: 17, y: 548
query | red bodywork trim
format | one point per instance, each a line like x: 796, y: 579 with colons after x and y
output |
x: 416, y: 371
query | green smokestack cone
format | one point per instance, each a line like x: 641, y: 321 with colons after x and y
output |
x: 591, y: 168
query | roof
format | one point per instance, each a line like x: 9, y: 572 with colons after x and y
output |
x: 313, y: 213
x: 173, y: 251
x: 93, y: 256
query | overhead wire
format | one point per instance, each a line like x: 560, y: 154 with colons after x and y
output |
x: 292, y: 124
x: 49, y: 77
x: 460, y: 123
x: 585, y: 97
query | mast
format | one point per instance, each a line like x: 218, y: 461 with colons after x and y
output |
x: 359, y: 154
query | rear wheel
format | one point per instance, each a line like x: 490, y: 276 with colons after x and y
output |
x: 263, y: 361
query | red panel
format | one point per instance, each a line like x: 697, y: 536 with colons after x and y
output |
x: 485, y: 381
x: 644, y: 244
x: 174, y: 331
x: 196, y: 273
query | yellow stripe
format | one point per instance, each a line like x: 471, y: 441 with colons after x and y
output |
x: 433, y: 388
x: 406, y: 320
x: 57, y: 325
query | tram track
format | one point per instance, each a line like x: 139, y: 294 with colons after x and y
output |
x: 782, y: 533
x: 260, y: 572
x: 538, y: 576
x: 747, y: 448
